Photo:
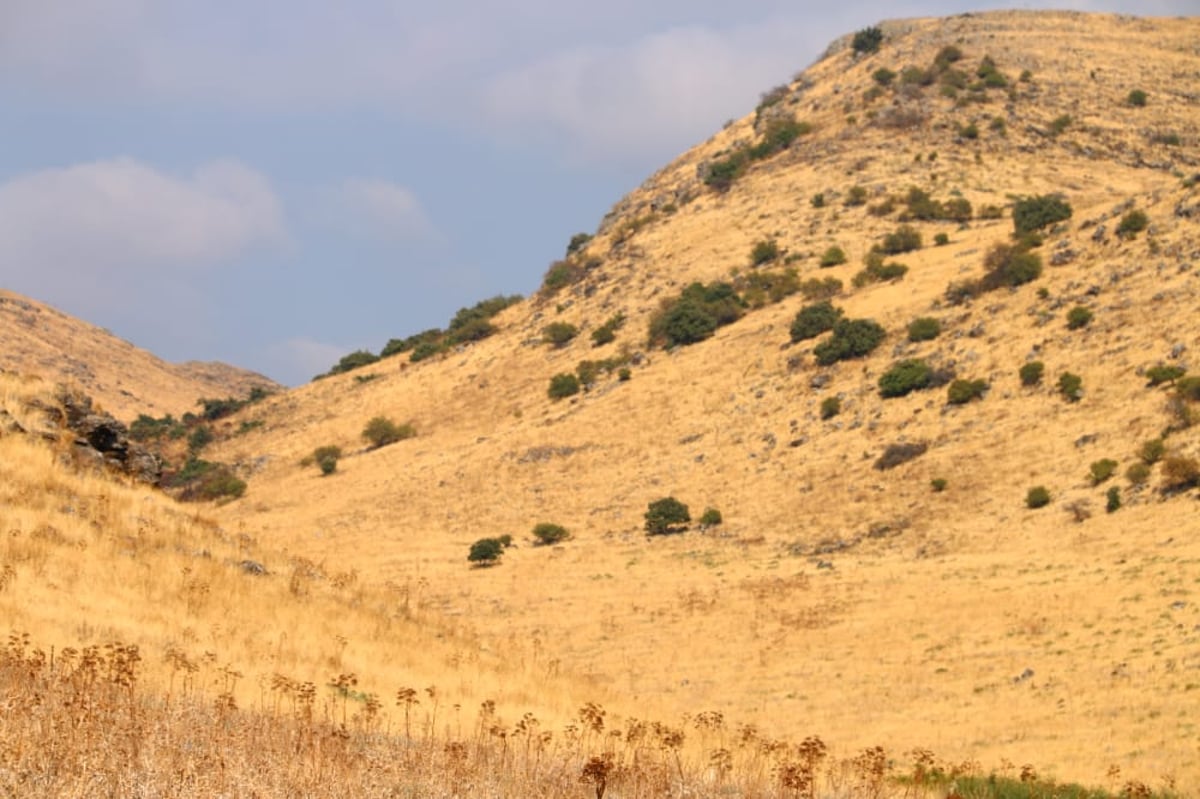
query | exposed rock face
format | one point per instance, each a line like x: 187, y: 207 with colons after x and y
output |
x: 101, y: 438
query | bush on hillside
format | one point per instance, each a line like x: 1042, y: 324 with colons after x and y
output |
x: 710, y: 518
x: 905, y: 377
x: 607, y: 332
x: 821, y: 288
x: 578, y: 242
x: 852, y: 338
x: 924, y: 328
x: 830, y: 407
x: 548, y: 534
x: 666, y: 515
x: 905, y: 238
x: 834, y: 256
x: 813, y: 320
x: 563, y: 385
x: 1133, y: 223
x: 896, y: 454
x: 1037, y: 497
x: 1078, y: 317
x: 1112, y: 500
x: 353, y: 360
x: 1009, y: 265
x: 1136, y: 98
x: 1157, y: 375
x: 695, y: 315
x: 1101, y: 470
x: 1034, y: 213
x: 764, y: 252
x: 327, y: 458
x: 1031, y: 373
x: 867, y: 40
x: 1180, y: 473
x: 1151, y: 451
x: 961, y: 392
x: 381, y: 431
x: 1070, y: 386
x: 486, y: 552
x: 559, y: 334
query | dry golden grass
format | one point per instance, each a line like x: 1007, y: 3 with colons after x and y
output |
x: 123, y: 379
x: 958, y: 621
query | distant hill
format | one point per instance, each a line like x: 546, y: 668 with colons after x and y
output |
x: 122, y: 378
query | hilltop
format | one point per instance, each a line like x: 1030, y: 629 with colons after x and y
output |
x: 122, y: 378
x: 884, y: 573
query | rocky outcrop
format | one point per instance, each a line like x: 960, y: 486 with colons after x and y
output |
x: 102, y: 439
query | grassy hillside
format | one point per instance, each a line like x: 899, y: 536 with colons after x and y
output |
x: 925, y: 608
x: 125, y: 380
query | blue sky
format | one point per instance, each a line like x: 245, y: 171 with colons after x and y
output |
x: 274, y: 184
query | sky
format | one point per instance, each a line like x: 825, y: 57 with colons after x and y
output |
x: 276, y: 183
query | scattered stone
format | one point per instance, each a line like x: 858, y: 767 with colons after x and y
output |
x: 253, y: 567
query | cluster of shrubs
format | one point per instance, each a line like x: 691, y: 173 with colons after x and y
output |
x: 147, y: 428
x: 920, y: 206
x: 587, y: 372
x: 669, y: 515
x: 852, y: 338
x: 607, y: 332
x: 203, y: 481
x: 777, y: 136
x: 469, y: 324
x: 380, y: 431
x: 695, y: 314
x: 945, y: 73
x: 1005, y: 265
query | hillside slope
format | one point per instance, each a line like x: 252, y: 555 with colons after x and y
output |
x: 124, y: 379
x: 836, y: 598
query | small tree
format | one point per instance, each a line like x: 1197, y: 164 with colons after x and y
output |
x: 711, y: 517
x: 1078, y: 317
x: 924, y: 328
x: 547, y: 534
x: 813, y: 320
x: 1137, y: 98
x: 905, y: 377
x: 1132, y: 224
x: 830, y: 407
x: 867, y: 40
x: 1070, y: 386
x: 1033, y: 213
x: 961, y: 392
x: 1101, y: 470
x: 327, y: 458
x: 764, y: 251
x: 834, y: 256
x: 666, y: 515
x: 486, y: 552
x: 1112, y: 500
x: 852, y: 338
x: 381, y: 431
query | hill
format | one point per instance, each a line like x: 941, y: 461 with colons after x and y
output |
x: 884, y: 573
x: 124, y: 379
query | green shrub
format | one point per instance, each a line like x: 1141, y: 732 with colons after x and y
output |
x: 559, y: 333
x: 426, y: 349
x: 354, y: 360
x: 916, y: 76
x: 1008, y: 265
x: 764, y: 252
x: 867, y: 40
x: 1034, y: 213
x: 624, y: 375
x: 961, y: 392
x: 1133, y: 223
x: 200, y: 438
x: 721, y: 174
x: 1070, y: 386
x: 813, y: 320
x: 830, y: 407
x: 1112, y: 499
x: 834, y: 256
x: 486, y: 552
x: 578, y: 242
x: 327, y: 458
x: 666, y: 515
x: 1157, y: 375
x: 884, y: 207
x: 710, y: 518
x: 695, y: 315
x: 1079, y: 316
x: 991, y: 76
x: 761, y: 287
x: 1060, y: 124
x: 883, y: 76
x: 905, y: 377
x: 560, y: 275
x: 471, y: 324
x: 825, y: 288
x: 548, y: 534
x: 941, y: 239
x: 924, y: 328
x: 1037, y: 497
x: 1138, y: 473
x: 898, y: 453
x: 1151, y: 451
x: 1031, y: 373
x: 938, y: 484
x: 1169, y: 138
x: 607, y: 332
x: 1188, y: 388
x: 852, y: 338
x: 905, y: 238
x: 991, y: 212
x: 957, y: 209
x: 876, y: 271
x: 818, y: 200
x: 856, y: 196
x: 1101, y: 470
x: 969, y: 132
x: 563, y: 385
x: 1180, y: 473
x: 147, y: 428
x: 1137, y: 98
x: 381, y: 431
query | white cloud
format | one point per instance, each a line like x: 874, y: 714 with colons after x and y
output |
x: 123, y: 214
x: 651, y: 96
x: 376, y: 208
